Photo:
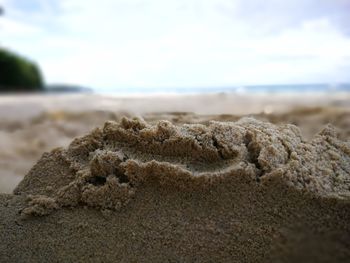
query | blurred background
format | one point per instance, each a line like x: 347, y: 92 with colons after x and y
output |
x: 67, y: 66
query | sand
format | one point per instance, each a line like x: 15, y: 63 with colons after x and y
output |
x: 237, y: 191
x: 178, y: 187
x: 23, y: 141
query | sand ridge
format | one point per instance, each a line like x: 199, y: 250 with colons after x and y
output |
x: 23, y: 142
x: 105, y: 168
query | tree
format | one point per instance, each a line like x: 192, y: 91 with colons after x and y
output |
x: 18, y: 73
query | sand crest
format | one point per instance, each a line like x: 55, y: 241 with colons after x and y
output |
x: 245, y: 191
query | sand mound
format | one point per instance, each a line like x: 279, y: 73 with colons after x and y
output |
x: 22, y: 142
x: 105, y: 168
x: 245, y: 191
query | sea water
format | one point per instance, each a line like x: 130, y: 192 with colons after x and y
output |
x: 256, y: 89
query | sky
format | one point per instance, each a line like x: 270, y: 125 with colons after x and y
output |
x: 184, y: 43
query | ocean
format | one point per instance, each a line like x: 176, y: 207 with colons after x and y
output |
x: 255, y: 89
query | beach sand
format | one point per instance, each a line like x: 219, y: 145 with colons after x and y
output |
x: 187, y: 180
x: 33, y: 124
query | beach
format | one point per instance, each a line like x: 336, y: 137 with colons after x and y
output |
x: 175, y: 178
x: 33, y: 124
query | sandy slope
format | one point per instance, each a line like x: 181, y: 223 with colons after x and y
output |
x: 132, y: 191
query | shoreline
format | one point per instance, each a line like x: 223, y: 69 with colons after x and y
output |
x: 29, y: 105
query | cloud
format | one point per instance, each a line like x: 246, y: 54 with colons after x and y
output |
x: 13, y: 28
x: 181, y: 43
x: 276, y: 15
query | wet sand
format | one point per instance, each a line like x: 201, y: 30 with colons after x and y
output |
x: 178, y: 186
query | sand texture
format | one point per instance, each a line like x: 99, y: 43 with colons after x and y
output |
x: 22, y: 142
x: 137, y: 191
x: 31, y: 124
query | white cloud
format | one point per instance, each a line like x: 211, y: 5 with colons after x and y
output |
x: 13, y: 28
x: 176, y: 43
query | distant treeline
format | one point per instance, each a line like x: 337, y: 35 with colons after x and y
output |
x: 18, y: 74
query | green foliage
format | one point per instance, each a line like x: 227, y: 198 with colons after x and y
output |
x: 18, y: 74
